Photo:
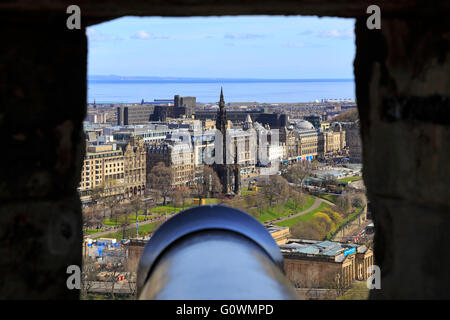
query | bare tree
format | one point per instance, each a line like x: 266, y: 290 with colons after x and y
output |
x: 329, y: 179
x: 336, y: 282
x: 160, y: 178
x: 274, y: 188
x: 88, y: 276
x: 208, y: 184
x: 306, y: 230
x: 185, y: 193
x: 148, y: 205
x: 97, y: 193
x: 132, y: 287
x: 298, y: 172
x: 176, y: 198
x: 111, y: 203
x: 123, y: 220
x: 296, y: 197
x: 212, y: 181
x: 136, y: 205
x: 114, y: 271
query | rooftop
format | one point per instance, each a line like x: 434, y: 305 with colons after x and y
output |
x: 329, y: 250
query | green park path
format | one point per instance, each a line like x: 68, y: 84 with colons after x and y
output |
x: 317, y: 202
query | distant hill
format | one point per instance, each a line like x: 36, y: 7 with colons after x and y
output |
x: 347, y: 116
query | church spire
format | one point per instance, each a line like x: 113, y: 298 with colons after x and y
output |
x: 222, y: 101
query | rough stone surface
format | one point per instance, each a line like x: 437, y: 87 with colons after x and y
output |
x: 42, y: 105
x: 402, y: 86
x: 110, y: 9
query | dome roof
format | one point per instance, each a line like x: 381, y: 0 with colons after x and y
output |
x: 304, y: 125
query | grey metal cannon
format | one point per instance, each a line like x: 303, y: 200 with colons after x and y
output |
x: 212, y: 252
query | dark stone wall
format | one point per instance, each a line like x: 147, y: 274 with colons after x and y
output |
x: 402, y: 85
x: 42, y: 105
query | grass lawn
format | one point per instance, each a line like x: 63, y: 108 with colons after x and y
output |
x: 167, y: 209
x: 160, y: 210
x: 358, y: 291
x: 305, y: 217
x: 143, y: 230
x: 91, y: 231
x: 349, y: 179
x: 281, y: 210
x: 246, y: 192
x: 131, y: 218
x: 330, y: 197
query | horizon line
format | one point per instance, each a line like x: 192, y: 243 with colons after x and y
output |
x: 119, y: 77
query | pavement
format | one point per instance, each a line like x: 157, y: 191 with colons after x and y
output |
x: 123, y: 287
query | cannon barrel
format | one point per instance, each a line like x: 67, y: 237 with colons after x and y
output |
x: 212, y: 252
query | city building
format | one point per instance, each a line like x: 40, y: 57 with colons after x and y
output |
x: 353, y: 140
x: 279, y: 234
x: 188, y: 103
x: 159, y: 110
x: 307, y: 138
x: 325, y: 264
x: 314, y: 119
x: 242, y: 150
x: 177, y: 155
x: 152, y: 133
x: 269, y: 148
x: 129, y: 115
x: 135, y: 177
x: 331, y: 142
x: 115, y: 171
x: 274, y: 120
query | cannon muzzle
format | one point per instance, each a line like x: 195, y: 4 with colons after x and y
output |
x: 212, y: 252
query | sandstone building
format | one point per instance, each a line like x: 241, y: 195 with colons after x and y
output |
x: 177, y: 155
x: 118, y: 172
x: 325, y: 264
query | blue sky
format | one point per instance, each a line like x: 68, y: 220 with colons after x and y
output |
x: 272, y: 47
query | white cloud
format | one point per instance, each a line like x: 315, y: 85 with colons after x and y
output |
x: 244, y: 36
x: 337, y: 34
x: 144, y: 35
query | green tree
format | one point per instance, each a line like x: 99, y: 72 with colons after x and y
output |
x: 334, y: 216
x: 323, y: 223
